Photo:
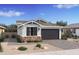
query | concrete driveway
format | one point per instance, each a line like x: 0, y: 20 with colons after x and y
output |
x: 63, y: 52
x: 64, y: 44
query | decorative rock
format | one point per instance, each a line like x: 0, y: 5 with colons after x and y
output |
x: 45, y: 47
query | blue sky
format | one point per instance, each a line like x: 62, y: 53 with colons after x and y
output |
x: 9, y: 13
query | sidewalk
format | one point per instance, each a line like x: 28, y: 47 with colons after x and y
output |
x: 63, y: 52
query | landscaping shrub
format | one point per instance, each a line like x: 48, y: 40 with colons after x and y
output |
x: 22, y: 48
x: 1, y: 48
x: 64, y: 37
x: 18, y: 39
x: 38, y: 45
x: 2, y: 37
x: 75, y: 37
x: 13, y: 36
x: 67, y: 34
x: 7, y: 36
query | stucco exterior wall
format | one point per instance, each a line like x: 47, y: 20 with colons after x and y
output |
x: 19, y: 31
x: 59, y: 33
x: 1, y: 30
x: 22, y: 31
x: 77, y: 32
x: 39, y: 32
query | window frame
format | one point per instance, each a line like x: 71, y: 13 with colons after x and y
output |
x: 31, y: 31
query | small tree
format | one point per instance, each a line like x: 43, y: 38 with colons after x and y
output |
x: 67, y: 34
x: 61, y: 23
x: 11, y: 28
x: 1, y: 37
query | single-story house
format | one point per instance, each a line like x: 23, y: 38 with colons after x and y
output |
x: 38, y: 29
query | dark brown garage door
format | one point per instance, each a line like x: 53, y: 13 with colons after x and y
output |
x: 50, y: 34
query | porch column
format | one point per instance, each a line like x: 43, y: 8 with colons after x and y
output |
x: 24, y: 31
x: 60, y: 34
x: 39, y: 32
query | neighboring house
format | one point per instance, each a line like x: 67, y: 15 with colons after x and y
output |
x: 38, y: 29
x: 2, y: 29
x: 74, y: 28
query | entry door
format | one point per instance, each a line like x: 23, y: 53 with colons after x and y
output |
x: 31, y: 31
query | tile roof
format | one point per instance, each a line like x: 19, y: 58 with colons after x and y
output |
x: 2, y: 27
x: 45, y: 23
x: 42, y: 22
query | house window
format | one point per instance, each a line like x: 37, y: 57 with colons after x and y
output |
x: 31, y: 31
x: 62, y: 30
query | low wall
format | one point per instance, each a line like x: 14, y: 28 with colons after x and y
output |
x: 31, y: 38
x: 71, y: 39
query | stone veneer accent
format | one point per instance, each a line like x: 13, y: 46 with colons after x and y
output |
x: 31, y: 38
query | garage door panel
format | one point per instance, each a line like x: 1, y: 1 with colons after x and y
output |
x: 50, y: 33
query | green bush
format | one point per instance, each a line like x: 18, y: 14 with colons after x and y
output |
x: 1, y: 48
x: 18, y: 39
x: 75, y: 37
x: 38, y: 45
x: 13, y: 36
x: 22, y: 48
x: 67, y: 34
x: 2, y: 37
x: 7, y: 36
x: 64, y: 37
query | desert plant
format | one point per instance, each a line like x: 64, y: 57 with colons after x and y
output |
x: 6, y: 36
x: 1, y: 37
x: 11, y: 28
x: 67, y: 34
x: 18, y: 39
x: 13, y: 36
x: 75, y: 37
x: 38, y: 45
x: 61, y: 23
x: 22, y: 48
x: 64, y: 37
x: 1, y: 48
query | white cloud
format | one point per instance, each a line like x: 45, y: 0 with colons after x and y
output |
x: 42, y: 14
x: 67, y: 6
x: 10, y: 13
